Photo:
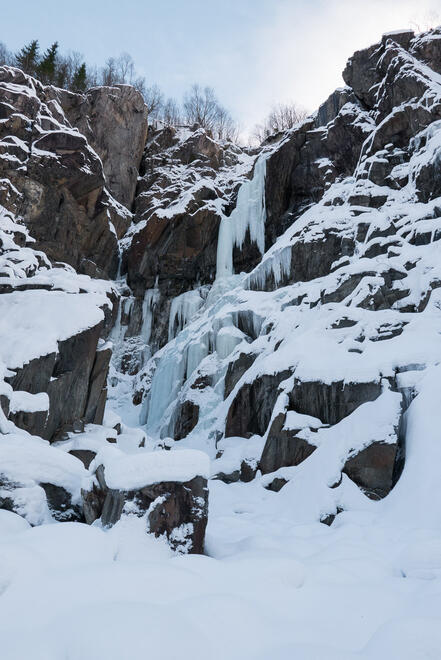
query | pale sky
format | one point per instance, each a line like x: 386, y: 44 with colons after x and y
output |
x: 253, y: 52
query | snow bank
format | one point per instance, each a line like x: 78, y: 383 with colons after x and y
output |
x: 130, y: 472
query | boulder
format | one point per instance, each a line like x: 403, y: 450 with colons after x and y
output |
x: 373, y: 469
x: 176, y: 508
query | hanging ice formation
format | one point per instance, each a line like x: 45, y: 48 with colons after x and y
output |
x: 151, y: 297
x: 249, y: 214
x: 182, y: 310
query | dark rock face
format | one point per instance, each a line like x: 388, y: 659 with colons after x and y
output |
x: 114, y: 120
x: 331, y: 402
x: 178, y: 252
x: 177, y: 510
x: 372, y: 469
x: 58, y: 179
x: 429, y: 50
x: 283, y: 448
x: 250, y: 411
x: 188, y: 417
x: 74, y: 380
x: 236, y: 370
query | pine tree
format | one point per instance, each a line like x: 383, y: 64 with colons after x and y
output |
x: 79, y: 80
x: 47, y: 66
x: 27, y: 58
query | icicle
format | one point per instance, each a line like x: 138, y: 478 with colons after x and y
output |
x: 182, y: 310
x: 166, y: 383
x: 151, y: 297
x: 278, y: 265
x: 249, y: 214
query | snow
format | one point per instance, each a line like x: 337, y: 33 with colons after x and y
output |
x: 26, y: 402
x: 130, y: 472
x: 366, y: 588
x: 50, y: 316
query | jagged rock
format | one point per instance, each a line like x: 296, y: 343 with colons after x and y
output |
x: 428, y: 48
x: 86, y: 456
x: 250, y: 411
x: 59, y: 501
x: 187, y: 419
x: 361, y: 75
x: 114, y: 120
x: 97, y: 395
x: 283, y: 447
x: 236, y: 370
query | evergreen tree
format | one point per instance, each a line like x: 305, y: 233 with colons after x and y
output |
x: 79, y: 80
x: 47, y: 66
x: 27, y: 58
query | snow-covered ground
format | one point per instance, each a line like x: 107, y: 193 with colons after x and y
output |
x: 274, y: 581
x: 270, y: 585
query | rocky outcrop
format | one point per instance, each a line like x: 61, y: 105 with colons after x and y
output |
x: 331, y: 402
x: 175, y: 509
x: 114, y: 121
x: 283, y: 447
x: 251, y: 408
x: 188, y: 183
x: 58, y: 183
x: 74, y: 379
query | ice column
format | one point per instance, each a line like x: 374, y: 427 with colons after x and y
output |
x: 249, y: 214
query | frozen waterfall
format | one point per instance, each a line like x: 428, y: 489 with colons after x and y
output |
x: 249, y: 214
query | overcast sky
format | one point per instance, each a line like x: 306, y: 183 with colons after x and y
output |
x: 253, y: 52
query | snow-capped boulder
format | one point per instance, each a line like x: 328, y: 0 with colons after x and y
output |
x: 168, y: 488
x: 39, y: 482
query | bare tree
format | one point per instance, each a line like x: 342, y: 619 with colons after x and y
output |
x: 201, y: 106
x: 6, y: 57
x: 225, y: 128
x: 171, y: 113
x: 282, y: 117
x: 108, y: 73
x: 124, y: 69
x: 154, y: 100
